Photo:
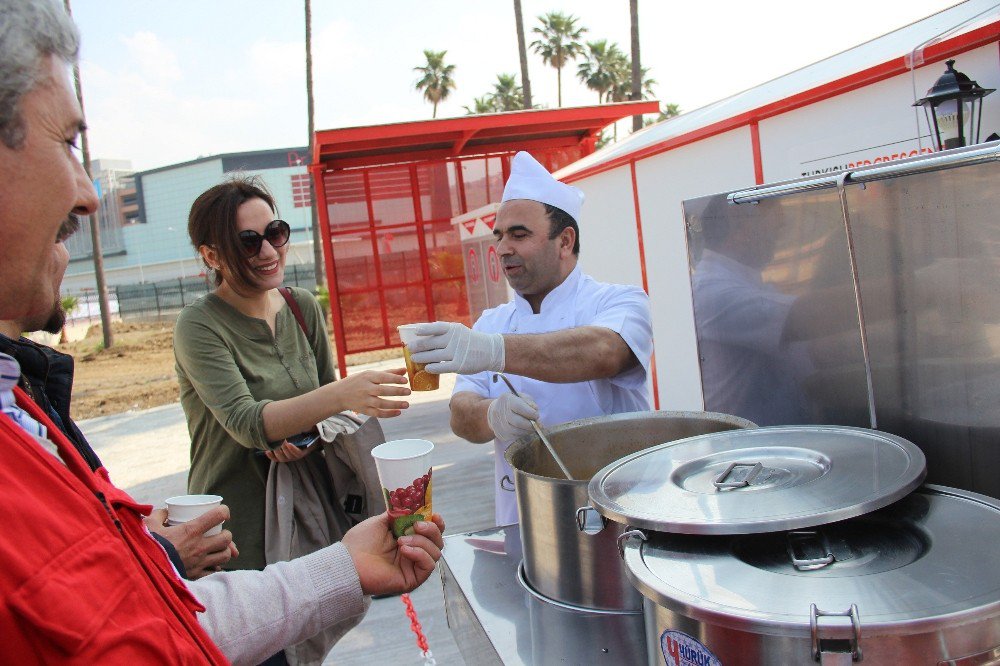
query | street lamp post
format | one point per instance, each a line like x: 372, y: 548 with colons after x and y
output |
x: 954, y: 109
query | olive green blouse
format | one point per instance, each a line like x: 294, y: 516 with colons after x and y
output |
x: 229, y: 366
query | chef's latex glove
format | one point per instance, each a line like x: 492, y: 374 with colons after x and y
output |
x: 450, y: 347
x: 510, y: 416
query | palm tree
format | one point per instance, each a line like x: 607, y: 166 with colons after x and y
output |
x: 310, y: 114
x: 670, y: 110
x: 522, y: 53
x: 633, y: 11
x: 68, y: 304
x: 558, y: 42
x: 622, y: 88
x: 480, y: 105
x: 599, y: 71
x: 436, y: 82
x: 507, y: 95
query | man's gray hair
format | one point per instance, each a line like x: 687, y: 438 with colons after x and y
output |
x: 30, y: 30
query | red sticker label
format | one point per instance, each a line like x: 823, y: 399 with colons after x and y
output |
x: 490, y: 220
x: 473, y: 266
x: 493, y: 264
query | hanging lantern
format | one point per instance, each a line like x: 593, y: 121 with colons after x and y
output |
x: 954, y: 109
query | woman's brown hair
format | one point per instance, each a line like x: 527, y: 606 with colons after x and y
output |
x: 212, y: 222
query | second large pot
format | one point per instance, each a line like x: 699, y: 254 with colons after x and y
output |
x: 562, y: 561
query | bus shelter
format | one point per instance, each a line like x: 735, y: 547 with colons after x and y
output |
x: 386, y: 196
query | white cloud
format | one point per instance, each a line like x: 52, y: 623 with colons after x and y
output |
x: 152, y: 57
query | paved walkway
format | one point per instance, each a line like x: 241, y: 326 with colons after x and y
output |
x: 146, y: 453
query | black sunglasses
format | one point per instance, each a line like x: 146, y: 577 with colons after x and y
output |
x: 276, y: 233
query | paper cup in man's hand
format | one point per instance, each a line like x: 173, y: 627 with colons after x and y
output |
x: 184, y: 508
x: 404, y: 470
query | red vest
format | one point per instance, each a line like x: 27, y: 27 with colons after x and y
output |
x: 80, y: 578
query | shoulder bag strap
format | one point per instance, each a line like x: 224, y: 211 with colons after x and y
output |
x: 293, y: 305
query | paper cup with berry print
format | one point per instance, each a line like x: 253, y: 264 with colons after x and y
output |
x: 404, y: 470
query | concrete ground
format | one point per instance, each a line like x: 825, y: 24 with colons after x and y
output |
x: 146, y: 453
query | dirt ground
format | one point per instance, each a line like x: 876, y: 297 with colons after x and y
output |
x: 138, y: 371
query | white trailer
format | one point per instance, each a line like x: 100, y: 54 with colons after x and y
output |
x: 850, y: 110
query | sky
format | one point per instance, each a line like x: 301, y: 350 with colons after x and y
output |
x: 167, y: 82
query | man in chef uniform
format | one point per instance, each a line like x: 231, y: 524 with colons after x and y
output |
x: 573, y: 347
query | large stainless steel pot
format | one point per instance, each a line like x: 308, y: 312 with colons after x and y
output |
x: 561, y: 561
x: 912, y: 583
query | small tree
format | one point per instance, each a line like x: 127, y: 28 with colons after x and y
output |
x: 68, y: 305
x: 558, y: 43
x: 437, y: 80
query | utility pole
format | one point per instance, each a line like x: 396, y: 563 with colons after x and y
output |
x: 310, y: 107
x: 633, y: 6
x: 95, y: 225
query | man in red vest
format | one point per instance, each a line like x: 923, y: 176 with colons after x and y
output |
x: 81, y: 580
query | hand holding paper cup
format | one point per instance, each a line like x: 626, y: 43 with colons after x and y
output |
x: 420, y: 379
x: 404, y: 470
x: 183, y: 508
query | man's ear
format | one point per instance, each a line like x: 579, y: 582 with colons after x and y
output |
x: 567, y: 239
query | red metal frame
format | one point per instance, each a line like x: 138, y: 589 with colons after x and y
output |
x: 645, y: 280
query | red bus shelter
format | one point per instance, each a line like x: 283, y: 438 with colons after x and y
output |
x: 386, y: 195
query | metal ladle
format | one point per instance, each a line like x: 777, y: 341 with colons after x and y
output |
x: 538, y: 429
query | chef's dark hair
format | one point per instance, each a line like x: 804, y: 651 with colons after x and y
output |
x: 560, y: 219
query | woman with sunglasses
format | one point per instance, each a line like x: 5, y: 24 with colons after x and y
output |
x: 249, y: 375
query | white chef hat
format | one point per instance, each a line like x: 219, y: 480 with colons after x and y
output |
x: 529, y: 180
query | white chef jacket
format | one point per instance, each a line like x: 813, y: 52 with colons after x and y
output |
x: 746, y: 369
x: 578, y: 301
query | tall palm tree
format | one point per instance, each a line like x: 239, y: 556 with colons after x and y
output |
x: 522, y: 53
x: 622, y: 89
x: 599, y: 71
x: 507, y: 95
x: 559, y: 42
x: 633, y: 10
x: 310, y: 113
x: 95, y: 224
x: 436, y: 82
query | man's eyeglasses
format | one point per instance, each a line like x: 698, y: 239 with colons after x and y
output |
x: 276, y: 233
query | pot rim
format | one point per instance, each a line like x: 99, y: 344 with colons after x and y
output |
x: 736, y: 421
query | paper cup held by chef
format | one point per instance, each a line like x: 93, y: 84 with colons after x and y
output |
x: 420, y: 379
x: 183, y: 508
x: 404, y: 470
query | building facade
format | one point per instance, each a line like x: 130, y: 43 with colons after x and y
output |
x: 143, y: 215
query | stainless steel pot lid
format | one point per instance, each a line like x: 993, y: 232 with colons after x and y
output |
x: 925, y: 559
x: 763, y: 480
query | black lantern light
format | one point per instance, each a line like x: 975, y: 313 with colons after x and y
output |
x: 954, y: 109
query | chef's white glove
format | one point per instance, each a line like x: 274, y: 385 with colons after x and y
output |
x: 451, y: 347
x: 509, y: 416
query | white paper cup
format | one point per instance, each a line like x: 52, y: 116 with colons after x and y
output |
x: 183, y: 508
x: 420, y: 379
x: 404, y: 470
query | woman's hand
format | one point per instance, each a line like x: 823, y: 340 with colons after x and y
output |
x: 287, y: 453
x: 363, y: 392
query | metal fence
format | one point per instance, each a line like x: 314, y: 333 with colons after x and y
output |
x: 155, y: 300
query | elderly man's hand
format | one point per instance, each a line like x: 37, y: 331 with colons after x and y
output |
x: 387, y: 565
x: 510, y: 416
x: 451, y: 347
x: 200, y: 554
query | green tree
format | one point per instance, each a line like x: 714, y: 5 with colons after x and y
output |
x: 437, y: 80
x: 668, y: 111
x: 621, y: 91
x: 558, y: 43
x: 480, y: 105
x: 507, y: 95
x: 602, y: 68
x: 68, y: 304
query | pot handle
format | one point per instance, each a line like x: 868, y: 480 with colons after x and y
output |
x: 625, y: 536
x: 589, y: 521
x: 506, y: 484
x: 836, y: 656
